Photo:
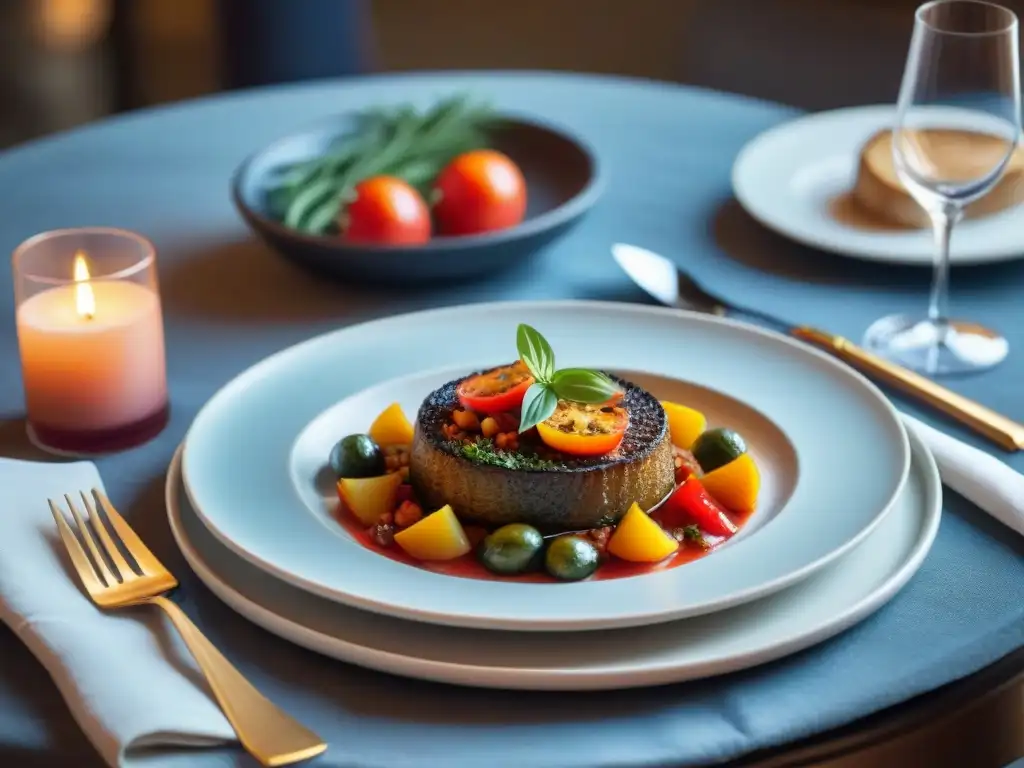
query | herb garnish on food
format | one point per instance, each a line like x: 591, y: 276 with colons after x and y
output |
x: 577, y: 385
x: 484, y: 452
x: 694, y: 534
x: 411, y: 145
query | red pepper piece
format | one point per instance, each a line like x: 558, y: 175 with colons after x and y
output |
x: 691, y: 504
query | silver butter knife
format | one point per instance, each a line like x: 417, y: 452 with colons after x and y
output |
x: 673, y: 287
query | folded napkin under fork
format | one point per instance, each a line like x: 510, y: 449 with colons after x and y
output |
x: 126, y: 676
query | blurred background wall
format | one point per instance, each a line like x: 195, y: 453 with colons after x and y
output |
x: 67, y: 62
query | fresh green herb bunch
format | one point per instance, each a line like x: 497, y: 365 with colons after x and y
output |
x: 403, y: 142
x: 576, y: 385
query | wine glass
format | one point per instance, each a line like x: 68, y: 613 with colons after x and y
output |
x: 958, y: 122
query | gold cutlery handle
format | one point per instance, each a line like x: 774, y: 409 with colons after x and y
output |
x: 1003, y: 431
x: 266, y: 732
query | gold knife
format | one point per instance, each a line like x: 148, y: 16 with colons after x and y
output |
x: 664, y: 281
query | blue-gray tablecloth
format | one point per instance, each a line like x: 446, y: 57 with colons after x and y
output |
x: 229, y: 302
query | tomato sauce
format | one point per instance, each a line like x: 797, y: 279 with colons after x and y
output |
x: 468, y: 567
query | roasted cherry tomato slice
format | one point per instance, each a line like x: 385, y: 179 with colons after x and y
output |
x: 584, y: 430
x: 691, y: 504
x: 496, y: 391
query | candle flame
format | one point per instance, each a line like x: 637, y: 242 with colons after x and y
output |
x: 85, y: 299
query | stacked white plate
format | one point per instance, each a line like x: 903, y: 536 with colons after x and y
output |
x: 848, y: 509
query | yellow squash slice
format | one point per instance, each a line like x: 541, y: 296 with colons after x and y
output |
x: 391, y: 427
x: 369, y: 497
x: 735, y: 486
x: 638, y: 539
x: 438, y: 536
x: 684, y: 423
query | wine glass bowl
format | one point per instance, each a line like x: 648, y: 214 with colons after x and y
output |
x: 957, y: 128
x: 958, y: 157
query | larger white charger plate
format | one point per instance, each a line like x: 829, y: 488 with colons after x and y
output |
x: 817, y: 608
x: 251, y: 457
x: 789, y: 177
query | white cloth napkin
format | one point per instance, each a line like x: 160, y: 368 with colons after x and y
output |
x: 975, y: 475
x: 127, y: 677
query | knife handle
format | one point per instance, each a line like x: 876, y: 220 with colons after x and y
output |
x: 1003, y: 431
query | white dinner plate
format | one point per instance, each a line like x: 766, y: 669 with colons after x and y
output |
x: 836, y: 451
x: 790, y: 177
x: 817, y: 608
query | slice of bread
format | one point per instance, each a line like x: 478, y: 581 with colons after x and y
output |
x: 958, y: 155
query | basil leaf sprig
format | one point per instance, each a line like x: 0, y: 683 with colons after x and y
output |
x: 577, y: 385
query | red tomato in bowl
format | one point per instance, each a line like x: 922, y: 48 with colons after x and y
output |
x: 479, y: 191
x: 386, y: 211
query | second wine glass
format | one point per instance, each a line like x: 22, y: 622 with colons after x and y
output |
x: 957, y: 127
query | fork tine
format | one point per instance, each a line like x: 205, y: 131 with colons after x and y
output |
x: 101, y: 565
x: 86, y: 572
x: 148, y: 563
x: 127, y: 572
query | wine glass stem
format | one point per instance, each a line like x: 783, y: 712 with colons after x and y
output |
x: 942, y: 223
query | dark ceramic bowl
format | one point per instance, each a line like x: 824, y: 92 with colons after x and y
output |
x: 563, y: 181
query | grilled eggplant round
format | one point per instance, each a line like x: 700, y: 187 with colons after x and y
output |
x: 554, y: 493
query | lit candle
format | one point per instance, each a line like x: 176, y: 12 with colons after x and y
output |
x: 92, y: 343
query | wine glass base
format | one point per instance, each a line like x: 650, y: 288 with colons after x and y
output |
x: 954, y: 347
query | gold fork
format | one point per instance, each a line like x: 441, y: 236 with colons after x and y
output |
x: 266, y: 732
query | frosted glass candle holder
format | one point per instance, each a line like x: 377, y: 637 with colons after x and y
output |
x: 91, y: 339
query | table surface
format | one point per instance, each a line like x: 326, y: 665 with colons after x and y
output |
x: 229, y: 301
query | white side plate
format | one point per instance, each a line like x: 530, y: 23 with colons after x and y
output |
x: 790, y: 176
x: 820, y: 607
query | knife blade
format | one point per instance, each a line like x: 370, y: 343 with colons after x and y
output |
x: 661, y: 279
